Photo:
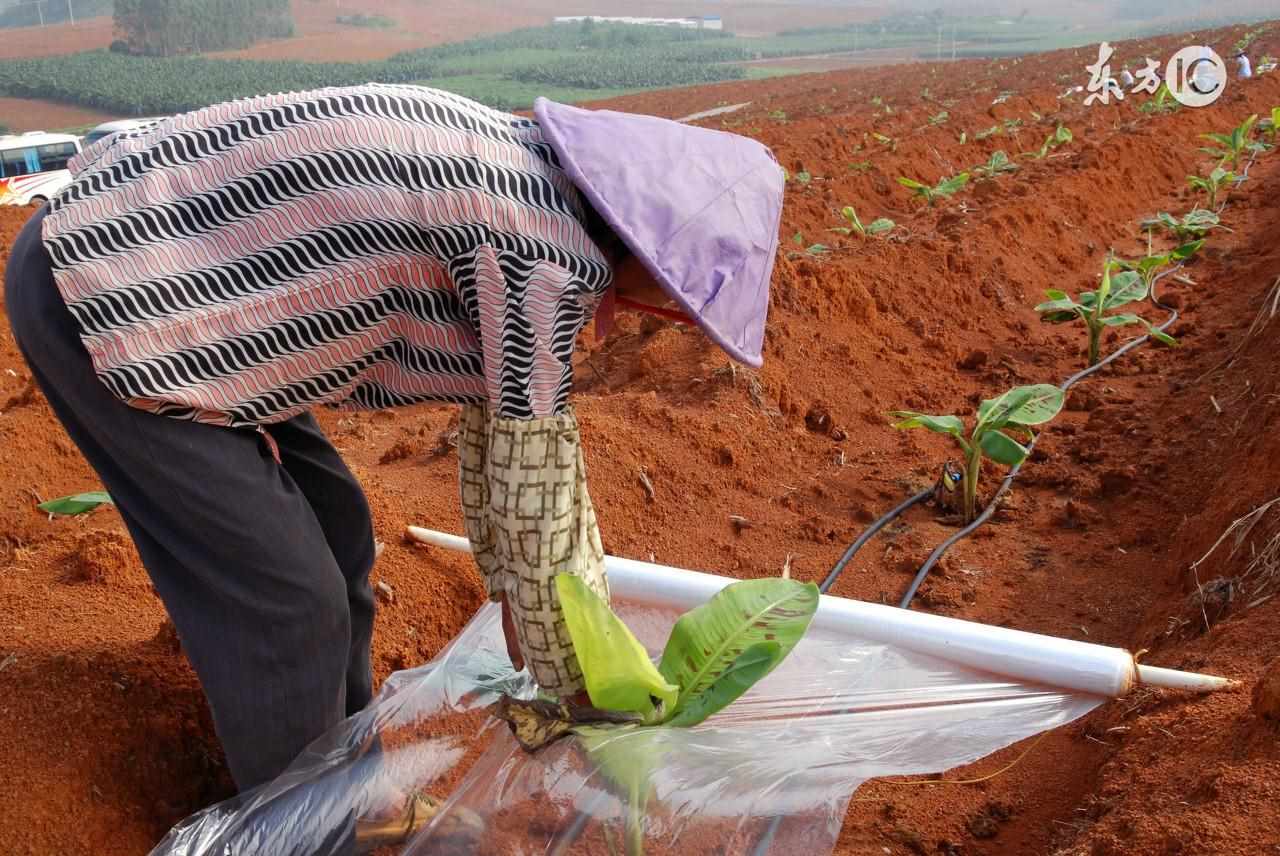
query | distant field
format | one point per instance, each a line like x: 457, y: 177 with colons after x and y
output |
x: 421, y: 24
x: 570, y: 63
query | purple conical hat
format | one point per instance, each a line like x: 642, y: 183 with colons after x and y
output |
x: 699, y: 208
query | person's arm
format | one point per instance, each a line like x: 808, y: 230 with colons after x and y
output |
x: 523, y: 480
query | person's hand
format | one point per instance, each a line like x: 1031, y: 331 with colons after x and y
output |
x: 509, y: 631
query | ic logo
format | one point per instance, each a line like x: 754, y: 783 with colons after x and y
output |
x: 1196, y: 76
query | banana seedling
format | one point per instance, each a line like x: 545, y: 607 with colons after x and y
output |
x: 715, y: 653
x: 1016, y: 410
x: 1212, y: 184
x: 1150, y: 265
x: 998, y: 164
x: 812, y: 250
x: 856, y: 226
x: 942, y: 189
x: 1061, y: 136
x: 1195, y: 224
x: 1271, y: 125
x: 1092, y: 307
x: 1162, y: 102
x: 1234, y: 145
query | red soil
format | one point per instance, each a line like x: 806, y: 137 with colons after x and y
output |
x: 104, y: 737
x: 55, y: 39
x: 25, y: 114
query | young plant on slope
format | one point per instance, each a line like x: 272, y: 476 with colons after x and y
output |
x: 1162, y: 102
x: 1195, y: 224
x: 1212, y: 184
x: 1232, y: 146
x: 998, y: 164
x: 942, y: 189
x: 1061, y: 136
x: 857, y: 227
x: 715, y: 653
x: 1017, y: 409
x: 812, y: 250
x: 1271, y: 125
x: 1092, y: 307
x: 1150, y: 265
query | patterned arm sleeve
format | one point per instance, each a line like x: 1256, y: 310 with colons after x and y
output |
x: 523, y: 479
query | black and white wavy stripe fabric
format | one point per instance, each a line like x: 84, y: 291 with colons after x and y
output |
x: 369, y: 246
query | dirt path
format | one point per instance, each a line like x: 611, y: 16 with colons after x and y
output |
x: 100, y: 718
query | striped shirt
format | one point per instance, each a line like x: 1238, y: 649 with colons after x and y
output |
x: 364, y: 247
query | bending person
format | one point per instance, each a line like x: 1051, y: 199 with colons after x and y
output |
x: 201, y: 285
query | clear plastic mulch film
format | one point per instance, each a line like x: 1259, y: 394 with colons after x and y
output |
x: 771, y: 774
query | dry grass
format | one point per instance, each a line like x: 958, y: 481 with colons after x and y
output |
x: 1260, y: 577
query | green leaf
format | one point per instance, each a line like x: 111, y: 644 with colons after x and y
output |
x: 718, y: 650
x: 617, y: 669
x: 741, y: 675
x: 880, y: 224
x: 1186, y: 251
x: 1126, y: 287
x: 803, y: 177
x: 951, y: 185
x: 912, y: 184
x: 952, y: 425
x: 1161, y: 336
x: 1042, y: 403
x: 1058, y: 304
x: 1022, y: 405
x: 1002, y: 448
x: 798, y: 239
x: 1121, y: 320
x: 76, y: 503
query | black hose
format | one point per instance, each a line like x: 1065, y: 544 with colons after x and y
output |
x: 990, y: 509
x: 866, y: 536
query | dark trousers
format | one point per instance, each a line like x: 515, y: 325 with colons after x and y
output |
x: 264, y: 567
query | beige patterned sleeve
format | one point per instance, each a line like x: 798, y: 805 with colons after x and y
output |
x: 529, y: 517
